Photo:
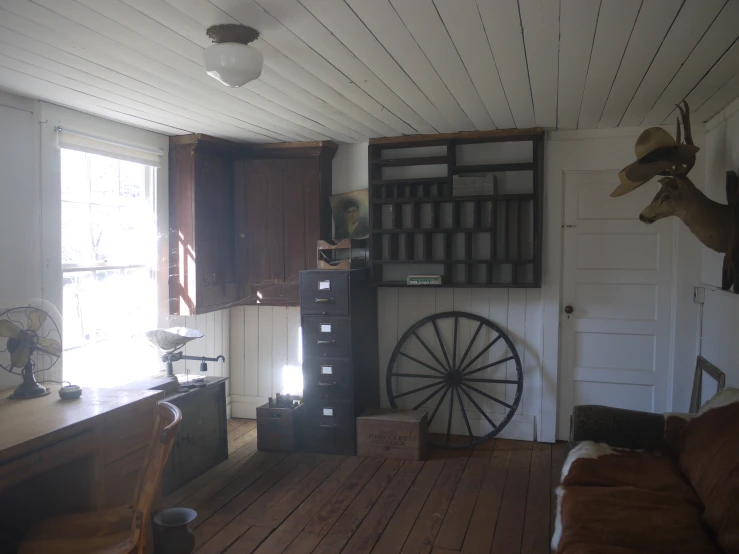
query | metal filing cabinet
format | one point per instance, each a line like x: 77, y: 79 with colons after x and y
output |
x: 340, y: 360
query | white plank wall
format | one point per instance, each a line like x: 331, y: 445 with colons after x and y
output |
x: 517, y: 311
x: 215, y: 326
x: 263, y: 341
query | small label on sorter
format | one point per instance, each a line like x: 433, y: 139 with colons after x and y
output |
x: 324, y: 285
x: 325, y: 327
x: 327, y: 369
x: 329, y: 412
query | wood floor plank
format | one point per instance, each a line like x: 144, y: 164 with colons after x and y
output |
x: 273, y: 517
x: 249, y: 541
x: 234, y: 519
x: 342, y: 531
x: 423, y: 534
x: 242, y: 440
x: 509, y: 530
x: 559, y: 453
x: 212, y: 480
x: 304, y: 543
x: 374, y: 524
x: 481, y: 530
x: 260, y: 464
x: 233, y: 424
x: 453, y: 529
x: 240, y: 429
x: 293, y: 525
x: 405, y: 516
x: 332, y: 510
x: 536, y: 520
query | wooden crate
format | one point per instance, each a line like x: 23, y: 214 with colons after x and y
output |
x: 278, y: 429
x: 392, y: 434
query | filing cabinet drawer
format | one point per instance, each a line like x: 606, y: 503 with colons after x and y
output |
x: 326, y: 336
x: 327, y: 378
x: 329, y: 426
x: 324, y: 293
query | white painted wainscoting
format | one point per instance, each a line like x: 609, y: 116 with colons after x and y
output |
x: 215, y: 327
x: 265, y: 351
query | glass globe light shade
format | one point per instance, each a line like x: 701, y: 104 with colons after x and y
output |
x: 232, y: 63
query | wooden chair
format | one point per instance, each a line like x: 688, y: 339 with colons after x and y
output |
x: 117, y: 530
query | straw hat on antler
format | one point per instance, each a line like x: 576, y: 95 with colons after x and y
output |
x: 658, y: 153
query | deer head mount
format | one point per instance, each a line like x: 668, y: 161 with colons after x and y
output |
x: 714, y: 224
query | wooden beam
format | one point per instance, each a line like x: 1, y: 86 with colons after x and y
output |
x: 498, y: 134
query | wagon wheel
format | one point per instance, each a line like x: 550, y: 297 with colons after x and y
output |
x: 477, y: 376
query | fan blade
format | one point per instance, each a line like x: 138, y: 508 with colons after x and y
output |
x: 8, y: 329
x: 37, y: 318
x: 50, y: 346
x: 19, y: 356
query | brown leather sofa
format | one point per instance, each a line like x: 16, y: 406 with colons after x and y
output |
x: 638, y: 483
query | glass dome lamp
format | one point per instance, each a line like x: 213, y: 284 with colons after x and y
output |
x: 231, y: 60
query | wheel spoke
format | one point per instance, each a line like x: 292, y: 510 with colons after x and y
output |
x: 417, y: 390
x: 424, y: 364
x: 479, y: 409
x: 504, y: 360
x: 488, y: 347
x: 417, y: 375
x: 464, y: 413
x: 486, y: 395
x: 449, y: 421
x: 469, y: 346
x: 441, y: 343
x: 434, y: 356
x: 446, y: 390
x: 430, y: 396
x: 499, y: 381
x: 454, y: 346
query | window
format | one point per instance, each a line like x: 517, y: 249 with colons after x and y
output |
x: 109, y: 253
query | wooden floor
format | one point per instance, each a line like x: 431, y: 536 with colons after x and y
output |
x: 496, y: 498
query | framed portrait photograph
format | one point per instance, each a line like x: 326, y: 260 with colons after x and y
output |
x: 351, y: 215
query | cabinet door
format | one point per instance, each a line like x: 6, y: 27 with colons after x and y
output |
x: 278, y: 224
x: 214, y: 231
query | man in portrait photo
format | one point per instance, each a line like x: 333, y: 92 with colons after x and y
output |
x: 355, y: 226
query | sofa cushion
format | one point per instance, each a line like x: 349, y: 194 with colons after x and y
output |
x: 625, y: 519
x: 624, y: 502
x: 710, y: 461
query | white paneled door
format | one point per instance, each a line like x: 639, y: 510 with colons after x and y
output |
x: 617, y: 280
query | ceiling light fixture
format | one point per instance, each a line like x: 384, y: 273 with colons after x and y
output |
x: 231, y: 60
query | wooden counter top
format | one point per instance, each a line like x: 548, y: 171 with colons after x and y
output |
x: 24, y: 424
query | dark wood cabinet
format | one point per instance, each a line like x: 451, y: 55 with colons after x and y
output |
x: 244, y: 220
x: 202, y: 440
x: 282, y: 209
x: 202, y: 275
x: 340, y: 364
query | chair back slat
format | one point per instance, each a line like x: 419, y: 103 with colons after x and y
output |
x: 166, y: 425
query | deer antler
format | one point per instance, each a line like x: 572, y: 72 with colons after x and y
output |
x: 685, y: 113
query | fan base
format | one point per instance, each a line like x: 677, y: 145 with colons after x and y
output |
x: 29, y: 389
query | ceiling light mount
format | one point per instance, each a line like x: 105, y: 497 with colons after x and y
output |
x: 231, y: 60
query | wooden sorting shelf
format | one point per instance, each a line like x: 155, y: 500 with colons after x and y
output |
x: 489, y: 240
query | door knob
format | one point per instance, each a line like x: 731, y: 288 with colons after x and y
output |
x: 569, y: 310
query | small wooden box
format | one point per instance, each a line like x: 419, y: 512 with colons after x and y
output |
x: 278, y: 429
x: 392, y: 434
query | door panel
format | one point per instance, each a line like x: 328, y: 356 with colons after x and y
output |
x: 617, y: 276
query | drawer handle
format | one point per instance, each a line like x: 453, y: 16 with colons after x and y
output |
x: 334, y: 426
x: 325, y: 300
x: 275, y: 416
x: 322, y: 384
x: 325, y: 342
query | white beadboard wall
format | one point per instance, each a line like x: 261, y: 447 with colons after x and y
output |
x: 215, y: 327
x: 263, y: 340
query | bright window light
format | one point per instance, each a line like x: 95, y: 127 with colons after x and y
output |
x: 109, y: 241
x: 292, y: 380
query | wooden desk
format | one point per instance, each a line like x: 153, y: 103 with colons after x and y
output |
x: 66, y: 456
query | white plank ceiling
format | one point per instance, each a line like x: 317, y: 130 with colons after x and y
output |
x: 348, y: 70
